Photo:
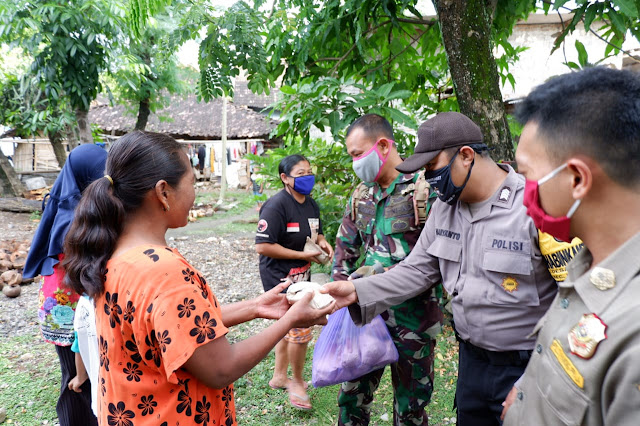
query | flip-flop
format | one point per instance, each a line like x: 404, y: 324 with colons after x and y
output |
x: 306, y: 386
x: 298, y: 405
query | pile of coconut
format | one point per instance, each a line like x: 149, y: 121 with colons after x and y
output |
x: 13, y: 255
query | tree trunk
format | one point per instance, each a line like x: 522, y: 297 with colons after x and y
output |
x: 143, y: 114
x: 58, y: 149
x: 84, y: 129
x: 9, y: 182
x: 20, y: 205
x: 466, y: 33
x: 72, y: 136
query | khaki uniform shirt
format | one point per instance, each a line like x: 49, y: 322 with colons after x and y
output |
x: 490, y: 263
x: 561, y: 388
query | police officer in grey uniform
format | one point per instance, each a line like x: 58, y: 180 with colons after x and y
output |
x: 479, y: 242
x: 580, y: 153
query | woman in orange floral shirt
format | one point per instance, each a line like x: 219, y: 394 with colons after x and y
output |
x: 164, y: 357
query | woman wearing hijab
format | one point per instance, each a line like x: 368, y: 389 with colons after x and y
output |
x: 57, y: 302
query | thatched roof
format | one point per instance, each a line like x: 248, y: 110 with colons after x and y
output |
x: 186, y: 118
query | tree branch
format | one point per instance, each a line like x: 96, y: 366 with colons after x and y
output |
x: 354, y: 45
x: 391, y: 59
x: 619, y: 49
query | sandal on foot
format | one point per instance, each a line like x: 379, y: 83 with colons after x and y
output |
x: 300, y: 402
x: 306, y: 385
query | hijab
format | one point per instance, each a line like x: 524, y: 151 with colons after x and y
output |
x: 85, y: 164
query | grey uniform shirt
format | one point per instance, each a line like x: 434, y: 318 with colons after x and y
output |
x: 490, y: 263
x: 561, y: 388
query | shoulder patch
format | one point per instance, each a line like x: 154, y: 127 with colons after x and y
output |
x: 262, y: 225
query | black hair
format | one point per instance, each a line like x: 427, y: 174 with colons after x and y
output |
x: 594, y: 112
x: 479, y: 148
x: 373, y: 125
x: 289, y: 162
x: 136, y: 162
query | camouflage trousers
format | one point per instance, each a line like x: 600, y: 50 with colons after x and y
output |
x: 411, y: 376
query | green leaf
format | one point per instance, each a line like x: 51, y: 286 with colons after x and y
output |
x: 583, y: 57
x: 573, y: 65
x: 559, y: 3
x: 617, y: 21
x: 399, y: 94
x: 384, y: 90
x: 589, y: 16
x: 628, y: 7
x: 287, y: 90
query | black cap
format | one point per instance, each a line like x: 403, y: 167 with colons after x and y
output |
x: 445, y: 130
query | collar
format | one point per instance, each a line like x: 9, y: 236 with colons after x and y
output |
x: 505, y: 195
x: 502, y: 198
x: 624, y: 264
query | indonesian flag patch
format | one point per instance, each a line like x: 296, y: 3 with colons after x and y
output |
x: 293, y: 227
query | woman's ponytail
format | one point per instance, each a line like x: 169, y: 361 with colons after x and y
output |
x: 92, y: 238
x: 136, y: 162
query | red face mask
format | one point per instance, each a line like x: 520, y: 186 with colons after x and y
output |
x: 557, y: 227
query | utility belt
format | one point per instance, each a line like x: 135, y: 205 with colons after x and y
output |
x: 502, y: 358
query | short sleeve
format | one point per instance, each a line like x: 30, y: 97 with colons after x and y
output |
x: 270, y: 225
x: 75, y: 347
x: 180, y: 319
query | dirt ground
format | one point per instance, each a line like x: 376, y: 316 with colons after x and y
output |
x: 221, y: 248
x: 227, y: 258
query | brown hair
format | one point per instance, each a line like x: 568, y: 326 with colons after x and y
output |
x: 136, y: 162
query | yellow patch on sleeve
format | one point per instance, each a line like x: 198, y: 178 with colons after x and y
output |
x: 566, y: 364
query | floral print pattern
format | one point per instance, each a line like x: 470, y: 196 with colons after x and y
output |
x: 128, y: 312
x: 154, y: 349
x: 119, y: 415
x: 112, y: 309
x: 56, y: 308
x: 147, y: 404
x: 132, y: 371
x: 150, y: 319
x: 186, y: 307
x: 204, y: 329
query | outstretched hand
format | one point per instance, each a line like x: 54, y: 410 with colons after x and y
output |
x: 273, y: 304
x: 304, y: 315
x: 343, y: 291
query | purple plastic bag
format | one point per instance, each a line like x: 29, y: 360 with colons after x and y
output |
x: 346, y: 352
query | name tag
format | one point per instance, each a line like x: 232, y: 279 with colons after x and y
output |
x: 448, y: 234
x: 507, y: 245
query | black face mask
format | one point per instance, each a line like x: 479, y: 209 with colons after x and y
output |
x: 441, y: 181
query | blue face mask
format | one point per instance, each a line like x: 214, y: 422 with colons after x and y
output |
x: 303, y: 184
x: 441, y: 181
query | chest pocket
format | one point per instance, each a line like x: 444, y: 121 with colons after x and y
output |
x: 398, y: 215
x: 365, y: 216
x: 450, y: 252
x: 507, y: 265
x: 566, y: 410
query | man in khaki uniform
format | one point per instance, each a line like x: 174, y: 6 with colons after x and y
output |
x: 580, y: 153
x: 479, y: 242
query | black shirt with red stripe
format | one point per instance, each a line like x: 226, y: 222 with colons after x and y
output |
x: 286, y: 222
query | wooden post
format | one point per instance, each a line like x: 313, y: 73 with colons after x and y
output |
x: 223, y: 181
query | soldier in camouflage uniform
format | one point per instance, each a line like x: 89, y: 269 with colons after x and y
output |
x: 382, y: 222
